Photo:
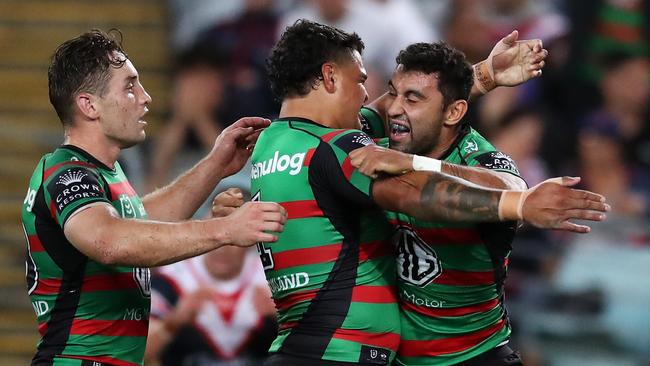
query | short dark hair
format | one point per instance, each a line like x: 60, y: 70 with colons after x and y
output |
x: 294, y: 65
x: 82, y: 65
x: 455, y: 74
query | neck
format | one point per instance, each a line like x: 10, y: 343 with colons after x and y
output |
x: 96, y: 146
x: 311, y: 108
x: 448, y: 136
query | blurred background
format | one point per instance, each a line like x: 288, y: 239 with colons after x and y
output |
x: 573, y: 300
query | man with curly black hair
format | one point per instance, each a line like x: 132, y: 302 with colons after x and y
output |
x: 450, y: 275
x: 331, y: 271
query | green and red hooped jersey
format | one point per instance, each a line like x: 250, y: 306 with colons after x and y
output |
x: 87, y: 313
x: 451, y: 275
x: 332, y: 271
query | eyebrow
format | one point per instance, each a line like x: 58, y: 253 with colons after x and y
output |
x: 408, y: 93
x: 131, y: 79
x: 415, y: 93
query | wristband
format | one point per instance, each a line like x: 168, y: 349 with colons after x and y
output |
x: 511, y: 205
x: 484, y: 76
x: 425, y: 164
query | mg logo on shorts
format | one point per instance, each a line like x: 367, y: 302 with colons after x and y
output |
x: 142, y: 277
x: 417, y: 262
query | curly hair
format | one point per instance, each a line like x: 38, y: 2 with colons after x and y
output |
x: 294, y: 65
x: 82, y: 65
x: 455, y: 74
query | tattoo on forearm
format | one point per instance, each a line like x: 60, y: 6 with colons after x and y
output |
x: 454, y: 201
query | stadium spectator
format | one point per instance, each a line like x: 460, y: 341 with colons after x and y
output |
x: 199, y: 88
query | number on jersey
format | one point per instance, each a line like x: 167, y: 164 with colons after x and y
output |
x: 266, y: 256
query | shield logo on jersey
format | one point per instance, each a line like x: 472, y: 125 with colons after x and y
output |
x: 142, y: 277
x: 128, y: 211
x: 417, y: 262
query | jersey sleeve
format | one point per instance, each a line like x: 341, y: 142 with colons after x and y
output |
x: 371, y: 123
x: 495, y: 160
x: 332, y: 170
x: 71, y: 188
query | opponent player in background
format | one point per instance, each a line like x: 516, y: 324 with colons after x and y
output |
x: 90, y: 237
x: 332, y: 272
x: 214, y: 309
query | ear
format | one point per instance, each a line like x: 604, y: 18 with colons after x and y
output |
x: 329, y: 79
x: 86, y: 104
x: 455, y: 112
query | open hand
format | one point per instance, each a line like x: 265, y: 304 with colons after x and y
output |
x: 552, y: 204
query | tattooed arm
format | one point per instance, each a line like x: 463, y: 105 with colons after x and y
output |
x: 373, y: 160
x: 437, y: 196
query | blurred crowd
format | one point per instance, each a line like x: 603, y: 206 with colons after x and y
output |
x: 587, y: 115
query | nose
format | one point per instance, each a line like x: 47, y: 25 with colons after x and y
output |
x: 395, y: 108
x: 146, y: 96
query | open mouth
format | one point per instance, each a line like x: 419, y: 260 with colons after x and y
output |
x: 399, y: 130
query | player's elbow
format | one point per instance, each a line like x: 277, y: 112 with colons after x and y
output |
x: 107, y: 248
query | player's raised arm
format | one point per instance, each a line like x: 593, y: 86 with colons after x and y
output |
x: 511, y: 62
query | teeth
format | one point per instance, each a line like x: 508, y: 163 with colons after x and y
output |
x: 397, y: 128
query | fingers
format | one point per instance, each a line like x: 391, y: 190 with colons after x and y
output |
x: 569, y: 181
x: 359, y: 154
x: 580, y: 194
x: 272, y: 227
x: 227, y: 202
x: 511, y: 38
x: 585, y: 214
x: 586, y: 204
x: 229, y: 198
x: 252, y: 138
x: 266, y: 238
x: 575, y: 228
x: 272, y: 207
x: 253, y: 122
x: 564, y: 181
x: 356, y: 159
x: 536, y: 57
x: 534, y: 45
x: 275, y: 216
